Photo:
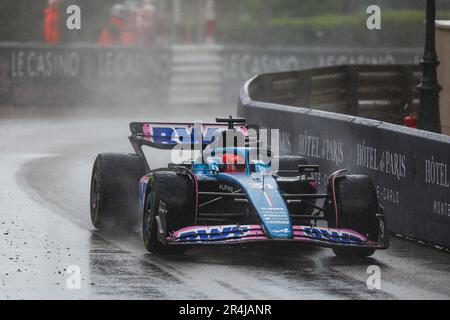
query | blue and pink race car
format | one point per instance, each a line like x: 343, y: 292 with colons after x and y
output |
x: 225, y: 195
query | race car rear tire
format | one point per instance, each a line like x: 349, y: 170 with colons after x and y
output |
x: 171, y: 198
x: 358, y: 209
x: 114, y: 200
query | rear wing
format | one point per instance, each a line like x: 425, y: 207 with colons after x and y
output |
x: 162, y: 135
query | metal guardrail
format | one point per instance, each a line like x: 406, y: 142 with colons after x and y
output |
x: 378, y: 92
x: 240, y: 63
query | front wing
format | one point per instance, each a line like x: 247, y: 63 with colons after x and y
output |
x: 240, y: 234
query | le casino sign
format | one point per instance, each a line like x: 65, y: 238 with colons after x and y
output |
x: 44, y: 63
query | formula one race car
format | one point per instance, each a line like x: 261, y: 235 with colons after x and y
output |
x: 224, y: 195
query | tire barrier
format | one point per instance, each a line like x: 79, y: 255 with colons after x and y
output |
x: 33, y: 74
x: 409, y: 167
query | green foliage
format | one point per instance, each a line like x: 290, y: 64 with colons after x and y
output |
x: 253, y: 22
x: 399, y: 28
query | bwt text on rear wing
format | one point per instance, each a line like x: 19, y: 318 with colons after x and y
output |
x: 167, y: 135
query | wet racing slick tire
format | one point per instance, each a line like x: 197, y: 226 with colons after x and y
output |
x: 358, y: 210
x: 114, y: 199
x: 169, y: 205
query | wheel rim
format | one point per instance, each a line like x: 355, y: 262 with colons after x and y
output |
x: 94, y: 192
x: 148, y: 218
x: 95, y: 199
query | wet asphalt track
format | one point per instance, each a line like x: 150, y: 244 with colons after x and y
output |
x: 45, y: 167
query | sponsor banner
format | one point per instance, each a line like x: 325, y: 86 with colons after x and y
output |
x: 410, y: 168
x: 91, y: 74
x: 246, y: 62
x: 82, y: 74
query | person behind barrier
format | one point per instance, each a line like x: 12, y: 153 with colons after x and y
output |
x: 51, y: 22
x: 129, y: 33
x: 147, y: 24
x: 113, y: 33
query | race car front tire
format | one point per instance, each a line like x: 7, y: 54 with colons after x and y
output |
x: 169, y: 205
x: 358, y: 209
x: 114, y: 199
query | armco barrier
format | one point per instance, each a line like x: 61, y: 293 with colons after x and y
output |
x: 378, y: 92
x: 33, y: 74
x: 410, y: 168
x: 240, y: 63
